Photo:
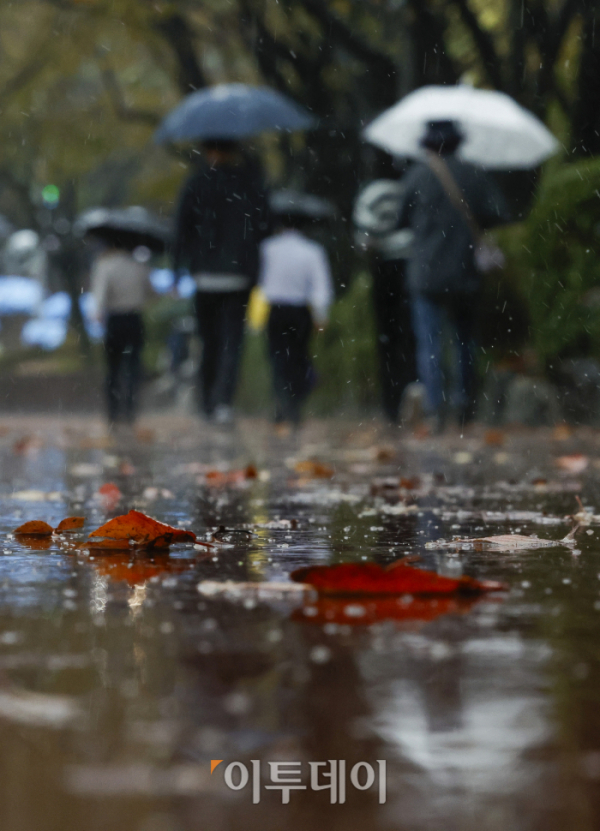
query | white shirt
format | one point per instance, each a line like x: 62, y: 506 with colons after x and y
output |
x: 295, y: 271
x: 119, y: 284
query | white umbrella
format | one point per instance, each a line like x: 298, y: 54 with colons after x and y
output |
x: 498, y: 133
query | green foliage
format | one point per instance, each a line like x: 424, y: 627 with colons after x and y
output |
x: 553, y: 262
x: 344, y: 357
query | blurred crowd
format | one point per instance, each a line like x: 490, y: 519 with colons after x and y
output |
x: 237, y: 250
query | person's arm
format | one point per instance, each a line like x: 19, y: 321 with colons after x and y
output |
x: 321, y: 288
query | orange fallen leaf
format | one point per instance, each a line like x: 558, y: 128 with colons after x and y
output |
x: 346, y: 611
x: 35, y: 528
x: 142, y: 530
x: 562, y: 432
x: 220, y: 478
x: 26, y: 445
x: 314, y: 469
x: 110, y: 496
x: 71, y: 523
x: 398, y: 578
x: 575, y: 463
x: 494, y: 438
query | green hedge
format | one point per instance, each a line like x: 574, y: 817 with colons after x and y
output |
x: 552, y: 262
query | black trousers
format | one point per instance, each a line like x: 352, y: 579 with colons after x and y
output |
x: 395, y: 338
x: 123, y: 343
x: 221, y: 318
x: 289, y: 332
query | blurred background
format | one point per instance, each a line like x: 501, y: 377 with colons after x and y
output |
x: 85, y: 83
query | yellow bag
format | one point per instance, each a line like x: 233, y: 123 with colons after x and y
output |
x: 257, y: 312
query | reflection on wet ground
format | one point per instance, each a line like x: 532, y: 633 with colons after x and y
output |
x: 120, y: 681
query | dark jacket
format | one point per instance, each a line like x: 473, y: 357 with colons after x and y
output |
x: 222, y: 218
x: 443, y: 247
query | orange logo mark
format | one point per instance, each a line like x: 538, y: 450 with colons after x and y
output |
x: 213, y: 764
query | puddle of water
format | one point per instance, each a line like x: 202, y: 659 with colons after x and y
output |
x: 120, y: 682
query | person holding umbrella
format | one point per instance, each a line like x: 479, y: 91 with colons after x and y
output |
x: 221, y: 220
x: 120, y: 282
x: 223, y: 215
x: 445, y: 203
x: 455, y: 133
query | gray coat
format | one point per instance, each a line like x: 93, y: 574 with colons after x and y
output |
x: 443, y: 248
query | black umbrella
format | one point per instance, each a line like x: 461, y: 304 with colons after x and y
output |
x: 125, y: 227
x: 232, y: 111
x: 288, y: 202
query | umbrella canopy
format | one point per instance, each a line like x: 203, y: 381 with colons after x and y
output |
x: 498, y: 133
x: 296, y: 203
x: 232, y: 111
x: 128, y: 227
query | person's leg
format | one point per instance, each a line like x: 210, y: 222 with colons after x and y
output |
x: 113, y: 348
x: 298, y: 359
x: 207, y: 307
x: 427, y: 320
x: 383, y: 307
x: 464, y: 316
x: 404, y: 344
x: 277, y: 339
x: 230, y: 342
x: 133, y: 368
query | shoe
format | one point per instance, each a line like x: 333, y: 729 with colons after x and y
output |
x: 223, y: 415
x: 413, y: 404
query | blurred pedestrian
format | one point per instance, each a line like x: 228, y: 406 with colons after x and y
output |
x: 121, y: 287
x: 446, y: 203
x: 223, y: 215
x: 296, y: 279
x: 376, y: 215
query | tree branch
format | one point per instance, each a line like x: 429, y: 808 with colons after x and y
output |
x: 483, y: 42
x: 178, y: 34
x: 339, y: 31
x: 124, y: 112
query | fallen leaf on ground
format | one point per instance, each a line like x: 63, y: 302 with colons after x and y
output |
x: 27, y: 445
x: 314, y: 469
x: 35, y: 528
x: 575, y: 463
x: 109, y: 495
x: 219, y: 478
x: 398, y: 578
x: 142, y: 530
x: 562, y: 432
x: 505, y: 542
x: 72, y: 523
x: 419, y: 609
x: 145, y: 435
x: 494, y: 438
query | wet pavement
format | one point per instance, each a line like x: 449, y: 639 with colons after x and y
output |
x: 120, y: 680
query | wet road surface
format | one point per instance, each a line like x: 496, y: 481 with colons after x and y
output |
x: 120, y: 681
